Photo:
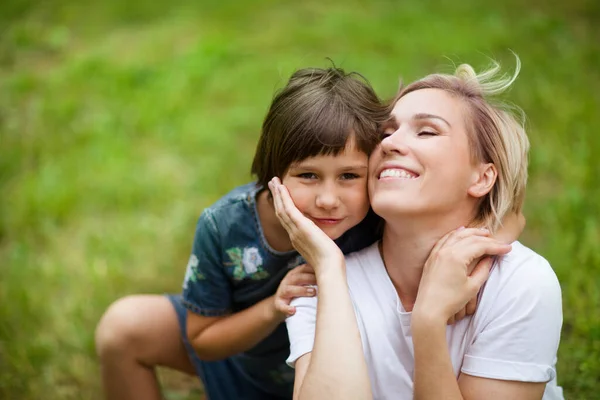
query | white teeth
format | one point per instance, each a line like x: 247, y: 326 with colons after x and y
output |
x: 396, y: 173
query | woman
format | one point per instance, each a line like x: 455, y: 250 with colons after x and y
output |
x: 448, y: 159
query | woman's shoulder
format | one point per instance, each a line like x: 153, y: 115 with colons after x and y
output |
x: 525, y: 262
x: 524, y: 273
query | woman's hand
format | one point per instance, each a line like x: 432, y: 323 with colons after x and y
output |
x: 295, y: 284
x: 306, y: 237
x: 512, y: 227
x: 447, y: 284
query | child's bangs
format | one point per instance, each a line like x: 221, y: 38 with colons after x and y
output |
x: 327, y: 132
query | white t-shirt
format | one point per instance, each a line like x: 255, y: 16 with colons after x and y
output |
x: 513, y: 335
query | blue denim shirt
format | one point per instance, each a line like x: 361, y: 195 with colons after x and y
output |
x: 232, y: 267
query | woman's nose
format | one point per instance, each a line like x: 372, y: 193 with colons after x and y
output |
x: 396, y: 142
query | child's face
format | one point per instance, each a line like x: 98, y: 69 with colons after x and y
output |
x: 331, y: 190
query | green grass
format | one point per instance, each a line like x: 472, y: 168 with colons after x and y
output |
x: 119, y: 123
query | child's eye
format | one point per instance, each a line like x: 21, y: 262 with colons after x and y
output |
x: 307, y: 175
x: 426, y: 133
x: 349, y: 175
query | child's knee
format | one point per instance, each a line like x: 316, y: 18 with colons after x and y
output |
x: 117, y: 330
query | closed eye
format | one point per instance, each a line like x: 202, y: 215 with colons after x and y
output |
x: 426, y: 133
x: 384, y: 134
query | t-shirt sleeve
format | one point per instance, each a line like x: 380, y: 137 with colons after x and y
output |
x: 206, y: 286
x: 301, y: 328
x: 520, y: 331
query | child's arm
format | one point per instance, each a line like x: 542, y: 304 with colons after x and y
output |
x: 512, y: 227
x: 216, y: 338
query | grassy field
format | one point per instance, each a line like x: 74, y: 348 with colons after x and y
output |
x: 120, y: 123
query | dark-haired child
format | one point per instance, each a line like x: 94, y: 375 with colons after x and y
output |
x: 227, y: 326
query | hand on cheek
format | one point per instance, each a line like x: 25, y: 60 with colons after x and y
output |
x: 310, y: 241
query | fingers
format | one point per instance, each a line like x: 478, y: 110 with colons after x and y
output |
x: 283, y: 306
x: 440, y: 243
x: 304, y: 268
x: 471, y: 248
x: 462, y: 233
x: 480, y: 273
x: 294, y: 216
x: 460, y: 315
x: 476, y: 247
x: 456, y: 236
x: 289, y: 292
x: 288, y: 214
x: 301, y: 279
x: 471, y: 306
x: 278, y: 205
x: 304, y: 279
x: 472, y: 265
x: 300, y: 276
x: 284, y: 204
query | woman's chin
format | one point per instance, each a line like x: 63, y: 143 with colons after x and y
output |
x: 388, y: 209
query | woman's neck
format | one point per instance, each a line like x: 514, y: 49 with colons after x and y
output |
x: 406, y: 245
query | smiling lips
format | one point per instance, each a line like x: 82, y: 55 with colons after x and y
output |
x: 397, y: 173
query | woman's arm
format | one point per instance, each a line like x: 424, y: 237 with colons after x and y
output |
x: 336, y: 368
x: 509, y: 337
x: 435, y: 378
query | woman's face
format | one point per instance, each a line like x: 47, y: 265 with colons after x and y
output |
x: 423, y: 164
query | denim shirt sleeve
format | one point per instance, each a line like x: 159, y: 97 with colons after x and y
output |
x: 206, y: 286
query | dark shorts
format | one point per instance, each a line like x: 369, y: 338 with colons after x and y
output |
x: 222, y: 380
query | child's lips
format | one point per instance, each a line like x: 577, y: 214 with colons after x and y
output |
x: 328, y: 221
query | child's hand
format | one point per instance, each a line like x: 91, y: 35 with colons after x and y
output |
x: 295, y: 284
x: 469, y: 309
x: 306, y: 237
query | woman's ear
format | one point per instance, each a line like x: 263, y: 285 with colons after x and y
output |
x: 483, y: 180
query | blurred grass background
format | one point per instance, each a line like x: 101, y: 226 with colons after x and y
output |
x: 120, y: 121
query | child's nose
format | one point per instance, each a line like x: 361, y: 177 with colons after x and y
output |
x: 327, y: 199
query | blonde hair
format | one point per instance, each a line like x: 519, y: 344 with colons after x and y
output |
x: 495, y: 130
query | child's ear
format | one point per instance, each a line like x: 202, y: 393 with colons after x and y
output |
x: 484, y: 178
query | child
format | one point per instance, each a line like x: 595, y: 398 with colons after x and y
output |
x: 227, y: 327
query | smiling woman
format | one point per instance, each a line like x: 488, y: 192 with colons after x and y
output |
x: 448, y: 159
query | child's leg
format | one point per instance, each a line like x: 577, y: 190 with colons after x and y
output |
x: 136, y: 334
